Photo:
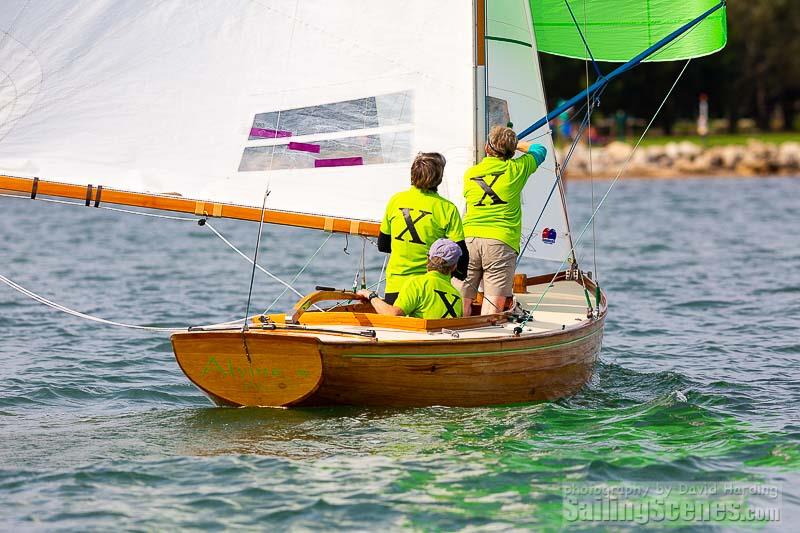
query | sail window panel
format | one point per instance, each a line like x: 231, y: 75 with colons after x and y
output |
x: 497, y: 111
x: 348, y: 151
x: 380, y: 129
x: 361, y: 113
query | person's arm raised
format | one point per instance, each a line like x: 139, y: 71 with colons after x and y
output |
x: 524, y: 146
x: 538, y: 151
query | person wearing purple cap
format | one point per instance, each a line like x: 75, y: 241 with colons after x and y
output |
x: 429, y: 295
x: 413, y: 219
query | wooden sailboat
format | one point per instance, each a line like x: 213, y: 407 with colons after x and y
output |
x: 323, y: 104
x: 350, y: 355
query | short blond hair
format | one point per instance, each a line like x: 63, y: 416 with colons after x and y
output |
x: 502, y: 142
x: 427, y: 170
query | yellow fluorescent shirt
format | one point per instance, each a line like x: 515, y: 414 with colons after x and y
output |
x: 493, y: 190
x: 415, y: 219
x: 430, y: 296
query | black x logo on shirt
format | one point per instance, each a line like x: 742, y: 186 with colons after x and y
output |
x: 411, y: 225
x: 488, y: 192
x: 451, y: 306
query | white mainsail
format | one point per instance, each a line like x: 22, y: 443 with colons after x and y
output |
x: 323, y: 101
x: 515, y: 93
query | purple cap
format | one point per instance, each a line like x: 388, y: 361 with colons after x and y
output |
x: 447, y: 250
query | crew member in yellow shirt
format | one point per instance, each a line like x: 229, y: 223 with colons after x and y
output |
x: 413, y: 220
x: 493, y: 221
x: 429, y: 295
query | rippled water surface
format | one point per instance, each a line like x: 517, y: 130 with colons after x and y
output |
x: 99, y: 429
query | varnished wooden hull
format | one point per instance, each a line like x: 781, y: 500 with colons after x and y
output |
x: 459, y: 373
x: 282, y: 367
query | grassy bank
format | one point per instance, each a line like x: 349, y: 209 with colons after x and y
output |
x: 720, y: 140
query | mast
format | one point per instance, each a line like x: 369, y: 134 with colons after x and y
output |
x: 480, y: 78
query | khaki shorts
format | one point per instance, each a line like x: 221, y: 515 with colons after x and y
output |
x: 492, y: 262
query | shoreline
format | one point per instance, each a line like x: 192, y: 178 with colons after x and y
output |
x: 684, y: 159
x: 675, y: 176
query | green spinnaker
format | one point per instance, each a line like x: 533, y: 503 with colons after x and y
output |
x: 617, y: 30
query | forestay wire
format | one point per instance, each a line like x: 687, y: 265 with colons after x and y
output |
x: 589, y: 137
x: 255, y: 265
x: 288, y: 286
x: 622, y: 169
x: 560, y: 169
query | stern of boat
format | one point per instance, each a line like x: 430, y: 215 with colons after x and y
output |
x: 235, y: 368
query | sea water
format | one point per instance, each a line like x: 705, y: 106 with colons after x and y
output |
x: 697, y: 387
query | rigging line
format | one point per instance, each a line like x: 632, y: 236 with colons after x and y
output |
x: 49, y: 303
x: 266, y: 193
x: 168, y: 217
x: 268, y: 309
x: 617, y: 72
x: 545, y: 134
x: 591, y: 165
x: 613, y: 182
x: 83, y: 205
x: 583, y: 38
x: 255, y: 256
x: 383, y: 269
x: 246, y: 258
x: 363, y: 263
x: 558, y: 175
x: 67, y: 310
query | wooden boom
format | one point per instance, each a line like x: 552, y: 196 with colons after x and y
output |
x: 185, y: 205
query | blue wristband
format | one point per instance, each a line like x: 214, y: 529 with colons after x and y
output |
x: 538, y: 152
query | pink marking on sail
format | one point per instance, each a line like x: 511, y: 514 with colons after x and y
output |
x: 339, y: 162
x: 268, y: 134
x: 304, y: 147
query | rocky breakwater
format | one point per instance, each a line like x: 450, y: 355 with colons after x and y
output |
x: 685, y: 158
